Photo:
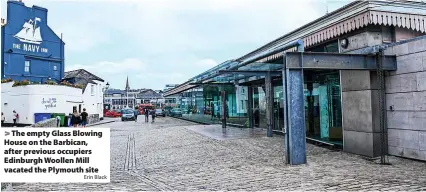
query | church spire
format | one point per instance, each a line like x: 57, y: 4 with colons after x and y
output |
x: 127, y: 83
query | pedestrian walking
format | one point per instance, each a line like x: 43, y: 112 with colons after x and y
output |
x: 153, y: 115
x: 212, y: 111
x: 15, y: 117
x: 84, y: 116
x: 58, y: 121
x: 146, y: 113
x: 75, y: 119
x: 136, y: 112
x: 3, y: 119
x: 69, y: 123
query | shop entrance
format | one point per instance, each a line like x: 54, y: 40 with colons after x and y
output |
x: 323, y: 109
x: 259, y: 108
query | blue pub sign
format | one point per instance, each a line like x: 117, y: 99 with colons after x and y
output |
x: 30, y: 48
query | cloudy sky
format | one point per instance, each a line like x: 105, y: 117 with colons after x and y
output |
x: 158, y: 42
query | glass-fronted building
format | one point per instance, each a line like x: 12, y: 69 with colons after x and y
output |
x: 327, y: 81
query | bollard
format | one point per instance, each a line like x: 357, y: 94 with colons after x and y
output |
x: 269, y: 131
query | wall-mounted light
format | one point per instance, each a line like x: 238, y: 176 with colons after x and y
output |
x: 344, y: 43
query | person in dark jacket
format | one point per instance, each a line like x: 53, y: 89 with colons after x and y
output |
x: 153, y: 115
x: 136, y: 112
x: 84, y: 116
x: 146, y: 113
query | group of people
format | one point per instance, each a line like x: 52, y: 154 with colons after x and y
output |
x: 15, y: 118
x: 148, y: 112
x: 78, y: 118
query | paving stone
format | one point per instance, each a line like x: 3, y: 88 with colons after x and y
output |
x: 171, y: 157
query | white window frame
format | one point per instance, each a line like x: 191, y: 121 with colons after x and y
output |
x: 27, y: 66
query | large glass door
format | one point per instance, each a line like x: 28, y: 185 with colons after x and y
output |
x: 259, y: 107
x: 323, y: 107
x: 278, y: 117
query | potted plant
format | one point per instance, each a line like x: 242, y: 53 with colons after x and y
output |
x: 16, y: 83
x: 25, y: 82
x: 6, y: 80
x: 50, y: 82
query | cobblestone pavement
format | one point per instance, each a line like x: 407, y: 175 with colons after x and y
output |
x: 172, y: 157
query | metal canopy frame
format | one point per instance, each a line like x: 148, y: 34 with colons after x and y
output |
x: 292, y: 71
x: 248, y: 73
x: 337, y: 61
x: 211, y: 83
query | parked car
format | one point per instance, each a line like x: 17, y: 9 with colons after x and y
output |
x: 128, y: 114
x: 160, y: 112
x: 113, y: 113
x: 176, y: 113
x: 117, y: 113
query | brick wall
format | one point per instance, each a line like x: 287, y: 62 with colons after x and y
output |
x: 406, y: 100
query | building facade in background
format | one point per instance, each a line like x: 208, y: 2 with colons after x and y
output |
x: 171, y: 100
x: 30, y: 48
x: 130, y: 98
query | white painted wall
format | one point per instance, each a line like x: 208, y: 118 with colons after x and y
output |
x: 27, y: 100
x: 93, y: 98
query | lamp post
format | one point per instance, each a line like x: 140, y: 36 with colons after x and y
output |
x: 105, y: 90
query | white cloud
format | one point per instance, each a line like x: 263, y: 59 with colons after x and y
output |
x: 107, y: 68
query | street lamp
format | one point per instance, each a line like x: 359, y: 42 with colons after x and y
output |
x: 105, y: 90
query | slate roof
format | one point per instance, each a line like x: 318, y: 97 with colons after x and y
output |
x: 81, y: 77
x: 149, y: 93
x: 114, y: 91
x: 81, y: 73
